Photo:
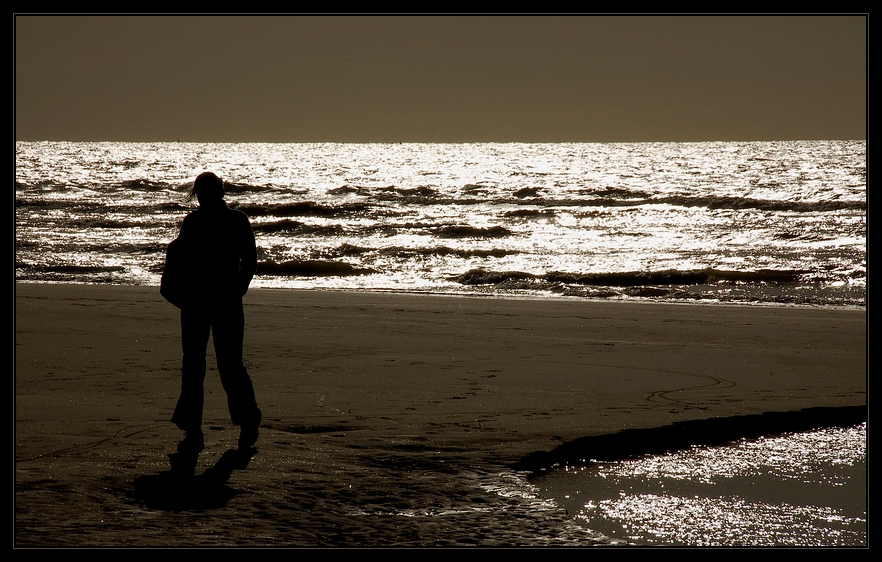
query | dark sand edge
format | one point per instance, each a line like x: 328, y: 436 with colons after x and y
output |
x: 633, y: 443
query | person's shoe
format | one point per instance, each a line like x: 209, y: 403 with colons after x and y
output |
x: 248, y: 433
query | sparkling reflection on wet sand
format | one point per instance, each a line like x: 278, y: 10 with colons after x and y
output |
x: 806, y: 489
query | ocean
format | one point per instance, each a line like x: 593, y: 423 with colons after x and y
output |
x: 742, y: 222
x: 749, y: 223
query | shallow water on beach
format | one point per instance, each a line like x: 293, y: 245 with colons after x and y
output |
x: 805, y: 489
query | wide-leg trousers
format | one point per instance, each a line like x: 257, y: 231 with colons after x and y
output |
x: 225, y: 322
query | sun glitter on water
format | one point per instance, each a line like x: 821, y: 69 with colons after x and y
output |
x: 806, y: 489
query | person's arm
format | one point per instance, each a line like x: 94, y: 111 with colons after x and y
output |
x: 248, y: 263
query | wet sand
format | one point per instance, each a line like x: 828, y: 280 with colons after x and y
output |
x: 389, y: 419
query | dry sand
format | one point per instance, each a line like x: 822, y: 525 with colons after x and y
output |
x: 389, y: 419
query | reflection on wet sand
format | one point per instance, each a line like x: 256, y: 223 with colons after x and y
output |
x: 804, y: 489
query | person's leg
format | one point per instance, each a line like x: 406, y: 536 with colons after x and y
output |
x: 228, y: 335
x: 195, y: 329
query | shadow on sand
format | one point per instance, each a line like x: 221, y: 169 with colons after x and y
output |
x: 179, y: 489
x: 633, y: 443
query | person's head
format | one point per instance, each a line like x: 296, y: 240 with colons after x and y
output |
x: 207, y: 189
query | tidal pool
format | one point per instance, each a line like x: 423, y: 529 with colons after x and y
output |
x: 801, y: 489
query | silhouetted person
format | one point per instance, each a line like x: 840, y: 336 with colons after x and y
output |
x: 213, y: 261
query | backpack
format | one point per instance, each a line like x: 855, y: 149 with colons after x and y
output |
x: 176, y: 285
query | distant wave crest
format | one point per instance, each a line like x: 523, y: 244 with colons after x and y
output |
x: 310, y: 268
x: 633, y: 278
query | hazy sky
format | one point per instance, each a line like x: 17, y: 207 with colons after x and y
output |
x: 446, y: 79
